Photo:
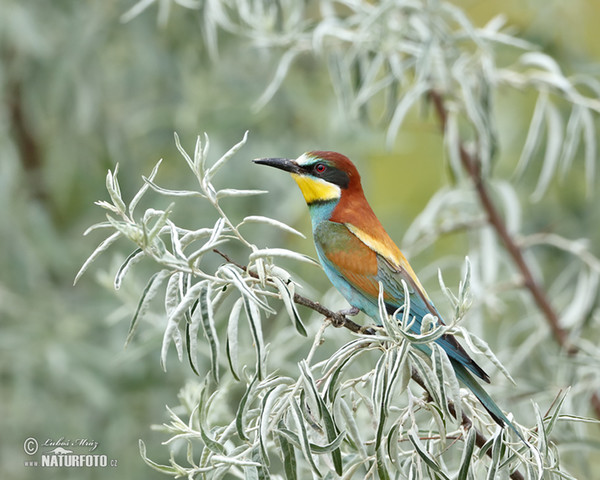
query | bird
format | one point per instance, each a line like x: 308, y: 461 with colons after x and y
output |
x: 358, y: 255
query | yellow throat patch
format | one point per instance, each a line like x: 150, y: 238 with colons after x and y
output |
x: 317, y: 190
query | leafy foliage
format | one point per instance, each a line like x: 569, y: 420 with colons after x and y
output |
x: 353, y: 413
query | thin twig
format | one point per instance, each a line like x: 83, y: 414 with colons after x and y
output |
x: 472, y: 165
x: 340, y: 320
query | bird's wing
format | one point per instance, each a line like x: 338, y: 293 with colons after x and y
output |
x: 360, y: 265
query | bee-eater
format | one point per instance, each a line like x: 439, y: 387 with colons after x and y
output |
x: 357, y: 254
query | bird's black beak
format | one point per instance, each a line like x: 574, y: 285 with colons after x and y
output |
x: 280, y: 163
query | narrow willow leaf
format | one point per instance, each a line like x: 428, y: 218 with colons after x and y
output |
x: 572, y: 139
x: 271, y: 221
x: 413, y: 436
x: 232, y: 192
x: 230, y: 153
x: 148, y: 294
x: 558, y: 403
x: 112, y: 186
x: 288, y: 455
x: 96, y: 253
x: 241, y: 411
x: 284, y: 65
x: 382, y: 469
x: 554, y: 141
x: 267, y: 405
x: 173, y: 293
x: 197, y: 318
x: 232, y: 346
x: 156, y: 466
x: 208, y: 323
x: 138, y: 196
x: 191, y: 341
x: 534, y: 133
x: 590, y: 142
x: 467, y: 456
x: 282, y: 252
x: 480, y: 346
x: 392, y: 443
x: 542, y: 443
x: 254, y: 320
x: 183, y: 152
x: 411, y: 97
x: 203, y: 408
x: 200, y: 154
x: 303, y: 435
x: 230, y: 273
x: 353, y: 432
x: 172, y: 332
x: 288, y: 301
x: 496, y: 456
x: 133, y: 258
x: 172, y: 193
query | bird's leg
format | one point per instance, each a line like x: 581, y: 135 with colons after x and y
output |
x: 339, y: 319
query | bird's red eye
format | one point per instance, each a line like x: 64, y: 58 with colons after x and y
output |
x: 320, y: 168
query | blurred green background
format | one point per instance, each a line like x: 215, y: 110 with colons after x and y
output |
x: 80, y: 91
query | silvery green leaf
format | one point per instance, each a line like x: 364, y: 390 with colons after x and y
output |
x: 584, y: 297
x: 147, y: 295
x: 172, y: 332
x: 467, y: 455
x: 254, y: 320
x: 480, y: 346
x: 287, y: 296
x: 541, y: 60
x: 589, y: 138
x: 96, y: 253
x: 232, y: 345
x: 496, y: 455
x: 133, y: 258
x: 282, y: 252
x: 138, y: 196
x: 156, y: 466
x: 172, y: 193
x: 183, y: 152
x: 554, y: 140
x: 410, y: 98
x: 413, y: 436
x: 114, y: 190
x: 572, y: 138
x: 241, y: 413
x: 512, y: 206
x: 230, y: 273
x: 534, y: 134
x: 200, y: 155
x: 303, y: 436
x: 268, y: 402
x: 282, y: 69
x: 192, y: 338
x: 227, y: 156
x: 208, y: 322
x: 352, y: 429
x: 270, y: 221
x: 232, y: 192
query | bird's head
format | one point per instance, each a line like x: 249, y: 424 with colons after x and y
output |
x: 321, y: 176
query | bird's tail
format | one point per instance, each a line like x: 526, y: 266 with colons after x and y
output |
x: 493, y: 409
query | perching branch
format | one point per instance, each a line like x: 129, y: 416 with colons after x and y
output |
x: 472, y: 165
x: 339, y: 320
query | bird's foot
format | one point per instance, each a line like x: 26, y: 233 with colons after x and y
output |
x: 349, y: 311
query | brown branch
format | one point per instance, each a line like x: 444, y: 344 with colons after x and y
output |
x: 472, y: 165
x: 339, y: 320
